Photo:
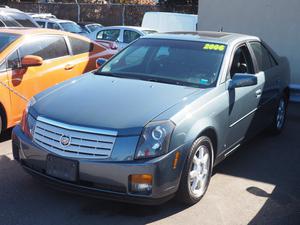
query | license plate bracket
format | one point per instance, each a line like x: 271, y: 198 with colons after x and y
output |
x: 64, y: 169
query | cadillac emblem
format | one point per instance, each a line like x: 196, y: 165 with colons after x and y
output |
x: 65, y: 140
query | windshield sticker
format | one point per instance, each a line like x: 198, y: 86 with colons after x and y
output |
x: 203, y: 81
x: 214, y: 47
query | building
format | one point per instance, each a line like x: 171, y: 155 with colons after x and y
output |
x: 275, y: 21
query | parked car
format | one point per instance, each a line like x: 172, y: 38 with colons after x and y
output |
x: 32, y: 60
x: 154, y: 120
x: 169, y: 22
x: 10, y: 17
x: 58, y: 24
x: 122, y: 35
x: 90, y: 27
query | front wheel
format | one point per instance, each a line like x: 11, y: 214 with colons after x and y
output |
x: 280, y: 116
x: 197, y: 172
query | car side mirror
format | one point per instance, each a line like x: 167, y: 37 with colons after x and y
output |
x: 100, y: 62
x: 242, y: 80
x: 31, y: 60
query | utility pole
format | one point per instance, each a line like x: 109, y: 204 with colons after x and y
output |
x: 78, y: 11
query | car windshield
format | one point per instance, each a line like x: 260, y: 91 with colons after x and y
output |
x: 72, y: 27
x: 189, y: 63
x: 6, y: 39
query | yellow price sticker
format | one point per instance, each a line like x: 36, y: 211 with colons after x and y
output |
x: 215, y: 47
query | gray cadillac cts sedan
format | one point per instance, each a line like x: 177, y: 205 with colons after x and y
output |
x: 154, y: 120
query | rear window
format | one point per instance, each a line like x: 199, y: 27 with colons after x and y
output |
x: 9, y: 22
x: 71, y: 27
x: 47, y: 47
x: 7, y: 39
x: 22, y: 19
x: 80, y: 46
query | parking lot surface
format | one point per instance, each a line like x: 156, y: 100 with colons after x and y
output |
x: 259, y: 184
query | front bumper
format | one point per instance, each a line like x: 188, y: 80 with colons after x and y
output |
x: 104, y: 178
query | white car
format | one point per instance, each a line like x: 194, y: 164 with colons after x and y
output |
x: 122, y: 35
x: 58, y: 24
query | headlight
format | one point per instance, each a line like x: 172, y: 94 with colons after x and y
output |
x: 155, y: 139
x: 28, y: 122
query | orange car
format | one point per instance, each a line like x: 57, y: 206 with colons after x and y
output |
x: 32, y: 60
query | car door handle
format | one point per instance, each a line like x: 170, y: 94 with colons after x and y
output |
x: 69, y: 66
x: 258, y: 93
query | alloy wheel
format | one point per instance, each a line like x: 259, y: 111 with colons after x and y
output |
x: 199, y: 172
x: 280, y: 114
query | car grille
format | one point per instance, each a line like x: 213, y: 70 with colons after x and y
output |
x: 73, y: 141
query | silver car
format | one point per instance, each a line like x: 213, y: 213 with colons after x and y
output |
x: 155, y: 119
x: 122, y: 35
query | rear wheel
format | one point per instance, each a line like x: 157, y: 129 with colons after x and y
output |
x: 280, y: 116
x: 197, y: 172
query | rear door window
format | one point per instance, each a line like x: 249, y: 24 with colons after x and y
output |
x: 47, y: 47
x: 2, y: 24
x: 80, y: 46
x: 52, y: 25
x: 129, y: 36
x: 41, y: 24
x: 263, y: 58
x: 109, y: 35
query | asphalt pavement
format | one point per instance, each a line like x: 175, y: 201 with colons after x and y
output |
x: 259, y: 184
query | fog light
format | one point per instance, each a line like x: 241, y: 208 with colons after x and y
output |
x: 140, y: 184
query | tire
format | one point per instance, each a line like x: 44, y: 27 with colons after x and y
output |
x: 191, y: 190
x: 279, y: 116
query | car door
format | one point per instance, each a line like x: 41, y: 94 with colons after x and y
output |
x: 267, y: 66
x: 28, y: 81
x: 243, y: 101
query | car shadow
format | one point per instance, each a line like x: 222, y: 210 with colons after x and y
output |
x: 274, y: 160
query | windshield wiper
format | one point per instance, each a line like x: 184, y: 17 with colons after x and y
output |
x: 165, y: 81
x: 110, y: 74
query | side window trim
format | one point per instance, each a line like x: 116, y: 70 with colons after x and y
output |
x: 254, y: 60
x: 67, y: 40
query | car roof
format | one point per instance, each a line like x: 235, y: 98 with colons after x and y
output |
x: 128, y: 27
x: 9, y: 10
x: 206, y: 36
x: 30, y: 30
x: 88, y: 23
x: 53, y: 20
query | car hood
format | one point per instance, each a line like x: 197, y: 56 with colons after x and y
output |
x: 119, y: 104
